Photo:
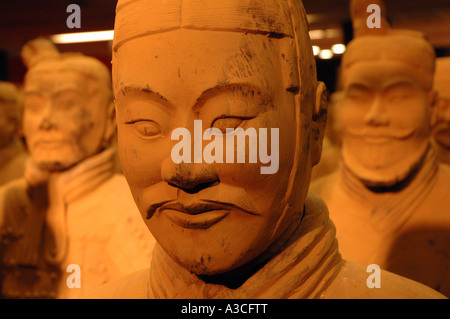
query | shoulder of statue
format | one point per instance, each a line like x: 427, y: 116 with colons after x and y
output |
x: 352, y: 283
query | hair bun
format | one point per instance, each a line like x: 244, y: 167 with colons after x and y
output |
x: 38, y: 50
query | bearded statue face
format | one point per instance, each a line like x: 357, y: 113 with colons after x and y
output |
x: 385, y: 117
x: 386, y: 105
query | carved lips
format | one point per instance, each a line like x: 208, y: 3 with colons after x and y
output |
x: 198, y: 215
x: 381, y: 136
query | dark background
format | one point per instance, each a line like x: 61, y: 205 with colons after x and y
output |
x: 23, y: 20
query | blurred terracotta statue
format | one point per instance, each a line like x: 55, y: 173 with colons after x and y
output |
x: 441, y: 128
x: 13, y: 155
x: 225, y: 230
x: 70, y: 209
x: 390, y: 198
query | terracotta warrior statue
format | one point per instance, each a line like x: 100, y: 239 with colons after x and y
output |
x: 441, y: 128
x: 13, y: 155
x: 71, y: 223
x: 390, y: 197
x: 229, y: 228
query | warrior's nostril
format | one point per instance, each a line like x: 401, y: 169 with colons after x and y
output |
x: 193, y: 187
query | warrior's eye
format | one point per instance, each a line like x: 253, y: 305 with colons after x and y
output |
x: 147, y: 128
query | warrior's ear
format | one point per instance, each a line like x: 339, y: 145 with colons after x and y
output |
x: 110, y: 125
x: 319, y: 122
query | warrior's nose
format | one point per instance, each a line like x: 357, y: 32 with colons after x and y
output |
x: 190, y: 177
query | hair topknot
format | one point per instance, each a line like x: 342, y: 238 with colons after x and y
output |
x: 38, y: 50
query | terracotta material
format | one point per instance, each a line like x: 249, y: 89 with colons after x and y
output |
x: 390, y: 198
x: 70, y: 208
x: 226, y: 230
x: 329, y: 161
x: 12, y: 151
x: 441, y: 127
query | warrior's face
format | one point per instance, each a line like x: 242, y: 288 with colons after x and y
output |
x: 209, y: 217
x: 385, y: 118
x: 65, y: 116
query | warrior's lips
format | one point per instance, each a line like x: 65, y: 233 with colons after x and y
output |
x: 198, y: 215
x: 201, y: 220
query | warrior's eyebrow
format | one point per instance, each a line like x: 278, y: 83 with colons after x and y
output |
x: 148, y: 92
x: 230, y: 87
x: 396, y: 82
x: 359, y: 85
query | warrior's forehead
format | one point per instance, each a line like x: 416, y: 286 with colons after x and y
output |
x: 136, y: 18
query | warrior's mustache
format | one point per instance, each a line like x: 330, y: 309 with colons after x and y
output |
x: 216, y: 197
